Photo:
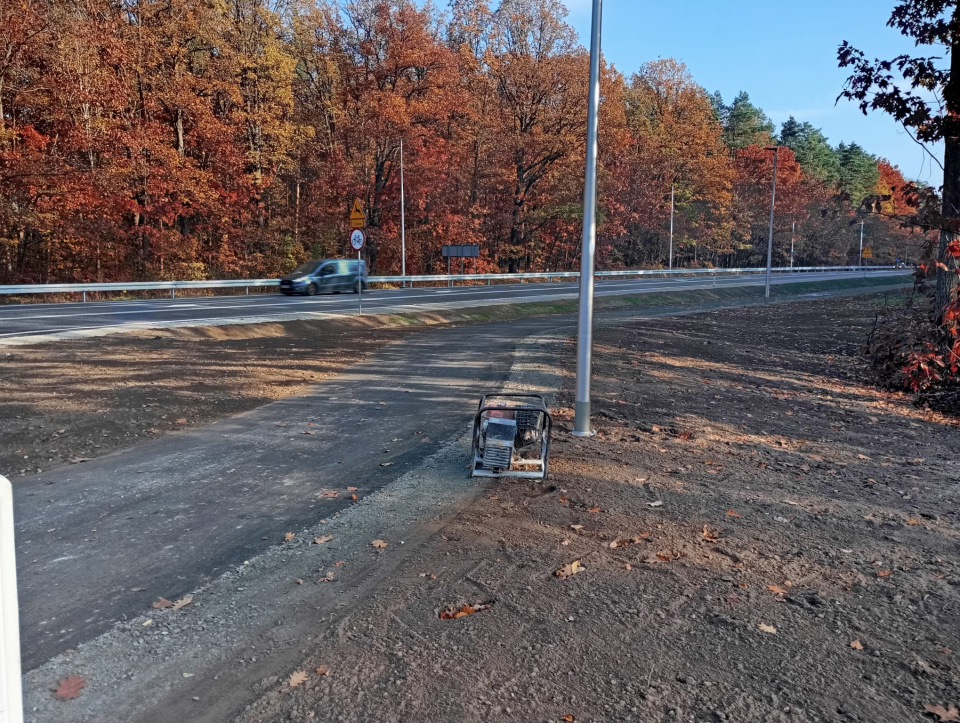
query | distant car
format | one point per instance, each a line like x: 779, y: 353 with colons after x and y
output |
x: 330, y: 276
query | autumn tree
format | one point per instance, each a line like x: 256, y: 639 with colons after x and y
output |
x: 902, y: 87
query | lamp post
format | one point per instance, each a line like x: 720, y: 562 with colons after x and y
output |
x: 585, y: 321
x: 403, y: 220
x: 861, y: 245
x: 672, y: 189
x: 773, y: 205
x: 793, y: 239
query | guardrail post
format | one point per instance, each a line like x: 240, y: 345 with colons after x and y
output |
x: 246, y: 291
x: 11, y: 694
x: 173, y: 293
x: 84, y: 297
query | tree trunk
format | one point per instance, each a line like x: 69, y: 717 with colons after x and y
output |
x: 947, y: 277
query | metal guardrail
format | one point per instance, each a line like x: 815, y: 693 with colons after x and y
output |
x: 173, y: 286
x: 11, y: 695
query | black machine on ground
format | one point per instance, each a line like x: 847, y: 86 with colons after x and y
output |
x: 511, y: 437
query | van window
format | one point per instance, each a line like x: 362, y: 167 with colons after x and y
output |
x: 328, y: 270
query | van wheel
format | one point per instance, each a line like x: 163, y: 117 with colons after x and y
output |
x: 311, y: 290
x: 356, y: 288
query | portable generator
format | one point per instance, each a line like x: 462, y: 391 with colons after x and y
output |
x: 511, y: 437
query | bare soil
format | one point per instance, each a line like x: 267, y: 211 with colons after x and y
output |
x: 764, y: 536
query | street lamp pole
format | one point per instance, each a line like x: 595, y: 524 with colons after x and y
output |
x: 403, y: 220
x: 773, y: 205
x: 585, y: 321
x: 793, y: 239
x: 672, y: 189
x: 861, y: 245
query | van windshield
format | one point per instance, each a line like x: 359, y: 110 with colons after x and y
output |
x: 306, y: 268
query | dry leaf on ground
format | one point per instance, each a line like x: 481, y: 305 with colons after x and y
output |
x: 568, y: 718
x: 576, y: 527
x: 182, y: 420
x: 658, y: 503
x: 323, y: 670
x: 884, y: 573
x: 455, y: 613
x: 733, y: 513
x: 944, y: 714
x: 330, y: 493
x: 569, y: 570
x: 329, y: 577
x: 70, y: 687
x: 321, y: 540
x: 183, y: 602
x: 379, y: 544
x: 162, y: 603
x: 767, y: 628
x: 297, y: 677
x: 289, y: 536
x: 856, y: 645
x: 776, y: 589
x: 710, y: 535
x: 351, y: 489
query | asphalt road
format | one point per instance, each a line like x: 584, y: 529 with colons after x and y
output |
x: 70, y: 319
x: 99, y: 541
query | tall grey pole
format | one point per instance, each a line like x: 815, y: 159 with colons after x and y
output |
x: 793, y: 238
x: 861, y: 245
x: 672, y: 188
x: 773, y: 205
x: 585, y: 330
x: 403, y: 220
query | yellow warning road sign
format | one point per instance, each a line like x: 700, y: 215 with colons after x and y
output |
x: 357, y: 217
x: 867, y: 253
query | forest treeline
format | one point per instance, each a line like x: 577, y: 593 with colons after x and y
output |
x: 188, y: 139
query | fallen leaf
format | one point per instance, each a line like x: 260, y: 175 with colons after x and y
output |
x: 330, y: 493
x: 569, y: 718
x: 78, y: 460
x: 321, y: 540
x: 569, y: 570
x: 289, y: 536
x: 767, y: 628
x: 884, y: 573
x: 913, y: 523
x: 594, y: 510
x: 710, y: 535
x: 182, y: 420
x: 658, y: 503
x: 576, y: 527
x: 777, y: 589
x: 351, y: 489
x: 162, y: 603
x: 563, y: 500
x: 944, y: 714
x: 338, y: 564
x: 297, y: 677
x: 733, y: 513
x: 327, y: 578
x: 299, y: 581
x: 353, y: 497
x: 147, y: 622
x: 455, y: 613
x: 856, y: 645
x: 183, y: 602
x: 70, y: 687
x: 790, y: 502
x: 323, y: 670
x: 379, y: 544
x: 666, y: 556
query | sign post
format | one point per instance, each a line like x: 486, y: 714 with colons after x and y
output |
x: 11, y: 705
x: 357, y: 240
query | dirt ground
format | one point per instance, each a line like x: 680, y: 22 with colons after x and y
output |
x: 763, y: 536
x: 67, y: 402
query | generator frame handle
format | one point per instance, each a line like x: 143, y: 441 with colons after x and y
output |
x: 541, y: 408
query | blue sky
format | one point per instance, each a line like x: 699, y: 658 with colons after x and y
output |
x: 782, y: 54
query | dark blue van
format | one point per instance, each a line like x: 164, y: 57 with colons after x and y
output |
x: 330, y: 276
